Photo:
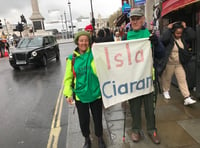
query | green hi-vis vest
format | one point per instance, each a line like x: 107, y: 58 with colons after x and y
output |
x: 87, y: 87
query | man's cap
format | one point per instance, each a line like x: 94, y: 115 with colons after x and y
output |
x: 136, y: 12
x: 89, y: 28
x: 80, y: 34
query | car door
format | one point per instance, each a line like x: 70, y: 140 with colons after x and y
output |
x: 48, y: 48
x: 51, y: 48
x: 52, y: 43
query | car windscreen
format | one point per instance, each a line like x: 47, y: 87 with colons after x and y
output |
x: 30, y: 42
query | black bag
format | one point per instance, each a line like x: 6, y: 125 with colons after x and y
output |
x: 184, y: 54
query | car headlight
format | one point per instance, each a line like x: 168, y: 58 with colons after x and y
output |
x: 10, y: 55
x: 34, y: 53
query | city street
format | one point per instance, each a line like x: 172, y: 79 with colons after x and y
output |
x: 32, y: 108
x: 35, y: 115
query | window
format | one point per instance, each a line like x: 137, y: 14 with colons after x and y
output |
x: 30, y: 42
x: 46, y: 41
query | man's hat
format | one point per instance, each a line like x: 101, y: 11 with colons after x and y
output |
x: 136, y: 12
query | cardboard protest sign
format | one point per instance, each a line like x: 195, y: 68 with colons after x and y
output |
x: 124, y: 69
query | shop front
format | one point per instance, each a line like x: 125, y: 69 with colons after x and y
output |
x: 189, y: 12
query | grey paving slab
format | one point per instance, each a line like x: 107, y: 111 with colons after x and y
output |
x: 169, y: 112
x: 173, y: 135
x: 192, y: 127
x: 74, y: 137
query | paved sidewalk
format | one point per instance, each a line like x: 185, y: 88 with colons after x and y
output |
x: 178, y: 125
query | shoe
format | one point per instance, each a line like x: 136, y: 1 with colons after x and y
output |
x: 101, y: 142
x: 189, y: 101
x: 154, y: 138
x: 87, y: 143
x: 166, y: 95
x: 135, y: 137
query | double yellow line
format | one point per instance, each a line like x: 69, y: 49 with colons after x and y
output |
x: 55, y: 125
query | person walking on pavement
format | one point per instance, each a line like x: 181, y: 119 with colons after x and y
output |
x: 177, y: 34
x: 138, y: 31
x: 82, y: 82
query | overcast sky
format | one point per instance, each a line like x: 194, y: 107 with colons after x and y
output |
x: 52, y: 9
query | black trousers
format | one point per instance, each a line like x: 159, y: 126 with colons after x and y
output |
x: 84, y: 117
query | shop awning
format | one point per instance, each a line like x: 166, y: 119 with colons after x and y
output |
x: 171, y: 5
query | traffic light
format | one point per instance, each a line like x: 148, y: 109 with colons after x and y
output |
x: 1, y: 25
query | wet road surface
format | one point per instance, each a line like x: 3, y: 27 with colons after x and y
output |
x: 28, y: 99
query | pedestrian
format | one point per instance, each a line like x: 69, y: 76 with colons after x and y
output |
x: 100, y: 36
x: 108, y: 36
x: 2, y: 48
x: 89, y: 28
x: 176, y: 34
x: 81, y: 82
x: 117, y: 36
x: 7, y: 46
x: 138, y: 31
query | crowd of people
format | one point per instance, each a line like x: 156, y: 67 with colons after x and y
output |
x: 6, y: 42
x: 106, y: 34
x: 81, y: 83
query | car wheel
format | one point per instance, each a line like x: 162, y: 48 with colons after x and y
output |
x: 44, y: 61
x: 57, y: 55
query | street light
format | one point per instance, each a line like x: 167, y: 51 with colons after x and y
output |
x: 6, y: 26
x: 63, y: 35
x: 92, y: 13
x: 66, y: 23
x: 69, y: 4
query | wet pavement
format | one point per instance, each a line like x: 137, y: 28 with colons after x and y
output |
x: 178, y: 125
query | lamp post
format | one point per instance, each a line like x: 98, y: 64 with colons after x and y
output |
x: 66, y: 24
x: 69, y: 4
x: 92, y: 13
x: 6, y: 26
x: 63, y: 35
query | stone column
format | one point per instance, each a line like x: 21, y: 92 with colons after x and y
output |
x: 35, y: 7
x: 149, y: 11
x: 36, y: 18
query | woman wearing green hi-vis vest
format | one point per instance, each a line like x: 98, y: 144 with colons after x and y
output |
x: 81, y: 85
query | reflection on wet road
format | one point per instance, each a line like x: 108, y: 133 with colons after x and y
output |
x: 28, y: 101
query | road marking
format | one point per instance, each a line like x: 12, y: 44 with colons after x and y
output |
x: 55, y: 125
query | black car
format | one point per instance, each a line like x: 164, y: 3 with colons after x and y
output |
x: 34, y: 50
